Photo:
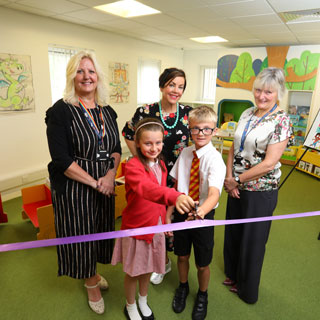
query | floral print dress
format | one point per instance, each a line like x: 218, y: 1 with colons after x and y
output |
x: 175, y: 139
x: 272, y: 129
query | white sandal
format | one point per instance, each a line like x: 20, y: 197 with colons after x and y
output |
x: 98, y: 306
x: 103, y: 283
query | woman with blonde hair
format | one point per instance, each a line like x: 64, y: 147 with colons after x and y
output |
x: 84, y: 145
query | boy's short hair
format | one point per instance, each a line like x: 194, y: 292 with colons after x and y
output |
x: 203, y: 114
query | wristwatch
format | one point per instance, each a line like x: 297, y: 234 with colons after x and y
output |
x: 237, y: 179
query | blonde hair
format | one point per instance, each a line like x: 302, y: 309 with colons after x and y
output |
x: 271, y: 78
x: 70, y: 95
x: 203, y: 114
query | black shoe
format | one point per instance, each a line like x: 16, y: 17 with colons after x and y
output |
x: 151, y: 317
x: 126, y: 313
x: 200, y: 307
x: 179, y: 300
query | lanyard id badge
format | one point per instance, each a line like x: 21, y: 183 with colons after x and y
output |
x: 99, y: 132
x: 246, y: 132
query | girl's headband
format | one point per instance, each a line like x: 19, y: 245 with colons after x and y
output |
x: 151, y: 122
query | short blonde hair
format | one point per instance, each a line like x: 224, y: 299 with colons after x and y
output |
x: 203, y: 114
x: 70, y: 95
x: 273, y: 78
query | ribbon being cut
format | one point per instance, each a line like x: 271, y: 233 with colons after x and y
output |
x: 145, y: 230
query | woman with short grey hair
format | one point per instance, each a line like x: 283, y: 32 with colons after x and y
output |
x: 252, y: 180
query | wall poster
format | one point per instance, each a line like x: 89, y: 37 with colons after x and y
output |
x: 313, y: 137
x: 118, y: 82
x: 16, y: 85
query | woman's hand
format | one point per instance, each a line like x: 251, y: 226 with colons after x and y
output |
x: 230, y: 184
x: 184, y: 204
x: 105, y: 184
x: 234, y: 193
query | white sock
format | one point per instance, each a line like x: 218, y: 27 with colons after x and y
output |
x: 133, y: 311
x: 143, y: 306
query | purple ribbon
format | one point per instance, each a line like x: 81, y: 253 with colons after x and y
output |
x: 145, y: 230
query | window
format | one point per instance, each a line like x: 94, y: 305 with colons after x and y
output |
x: 148, y: 81
x: 58, y: 60
x: 209, y: 75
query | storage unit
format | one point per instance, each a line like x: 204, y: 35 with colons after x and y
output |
x: 310, y: 162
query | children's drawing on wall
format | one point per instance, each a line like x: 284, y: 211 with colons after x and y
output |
x: 119, y: 82
x: 16, y: 86
x: 313, y: 137
x: 240, y: 71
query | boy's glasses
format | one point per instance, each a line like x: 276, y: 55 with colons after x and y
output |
x: 205, y: 131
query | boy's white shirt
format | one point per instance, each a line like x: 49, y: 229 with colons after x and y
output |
x: 212, y: 170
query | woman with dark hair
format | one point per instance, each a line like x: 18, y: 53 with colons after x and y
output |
x: 84, y: 145
x: 174, y: 117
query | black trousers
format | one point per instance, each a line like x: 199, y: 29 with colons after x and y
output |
x: 244, y: 244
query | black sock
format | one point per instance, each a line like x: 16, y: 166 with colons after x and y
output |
x: 203, y: 293
x: 184, y: 284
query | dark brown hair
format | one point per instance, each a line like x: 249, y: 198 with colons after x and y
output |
x: 169, y: 74
x: 148, y: 124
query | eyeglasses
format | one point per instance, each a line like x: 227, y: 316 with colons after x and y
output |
x: 205, y: 131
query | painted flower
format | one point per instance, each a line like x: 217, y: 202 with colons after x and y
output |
x: 171, y: 115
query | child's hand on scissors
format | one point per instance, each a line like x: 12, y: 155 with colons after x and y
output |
x: 184, y: 204
x: 196, y: 213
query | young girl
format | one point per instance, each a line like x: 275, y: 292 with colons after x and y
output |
x: 147, y: 197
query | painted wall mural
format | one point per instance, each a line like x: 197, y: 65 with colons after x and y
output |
x: 240, y: 71
x: 119, y: 82
x: 16, y: 85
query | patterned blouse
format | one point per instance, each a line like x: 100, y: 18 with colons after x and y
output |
x: 175, y: 139
x: 272, y: 129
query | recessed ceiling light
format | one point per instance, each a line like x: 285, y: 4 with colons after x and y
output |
x: 209, y: 39
x: 127, y: 9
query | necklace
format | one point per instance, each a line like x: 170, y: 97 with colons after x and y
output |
x: 161, y: 117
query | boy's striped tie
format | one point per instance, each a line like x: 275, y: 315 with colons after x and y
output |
x: 194, y: 178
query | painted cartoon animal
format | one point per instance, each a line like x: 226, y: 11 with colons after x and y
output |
x: 13, y: 73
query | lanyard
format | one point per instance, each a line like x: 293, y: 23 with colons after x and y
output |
x: 245, y: 131
x: 100, y: 133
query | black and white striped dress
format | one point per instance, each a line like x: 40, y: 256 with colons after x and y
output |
x: 80, y: 209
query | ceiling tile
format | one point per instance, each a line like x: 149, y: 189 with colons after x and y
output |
x: 271, y: 28
x: 169, y: 5
x: 196, y: 14
x: 262, y: 19
x: 156, y: 20
x: 92, y: 3
x: 296, y: 27
x: 240, y: 9
x: 56, y: 6
x: 92, y: 15
x: 20, y: 7
x: 294, y: 5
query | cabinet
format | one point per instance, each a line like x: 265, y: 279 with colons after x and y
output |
x: 310, y: 162
x: 299, y: 103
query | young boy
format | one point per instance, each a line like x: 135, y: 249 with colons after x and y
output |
x: 208, y: 178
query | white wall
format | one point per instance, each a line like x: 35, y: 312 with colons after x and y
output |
x: 23, y: 145
x: 192, y: 61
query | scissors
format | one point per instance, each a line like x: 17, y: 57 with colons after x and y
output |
x: 195, y: 215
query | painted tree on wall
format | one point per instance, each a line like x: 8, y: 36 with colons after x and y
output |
x: 243, y: 71
x: 256, y: 65
x: 301, y: 73
x: 226, y: 65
